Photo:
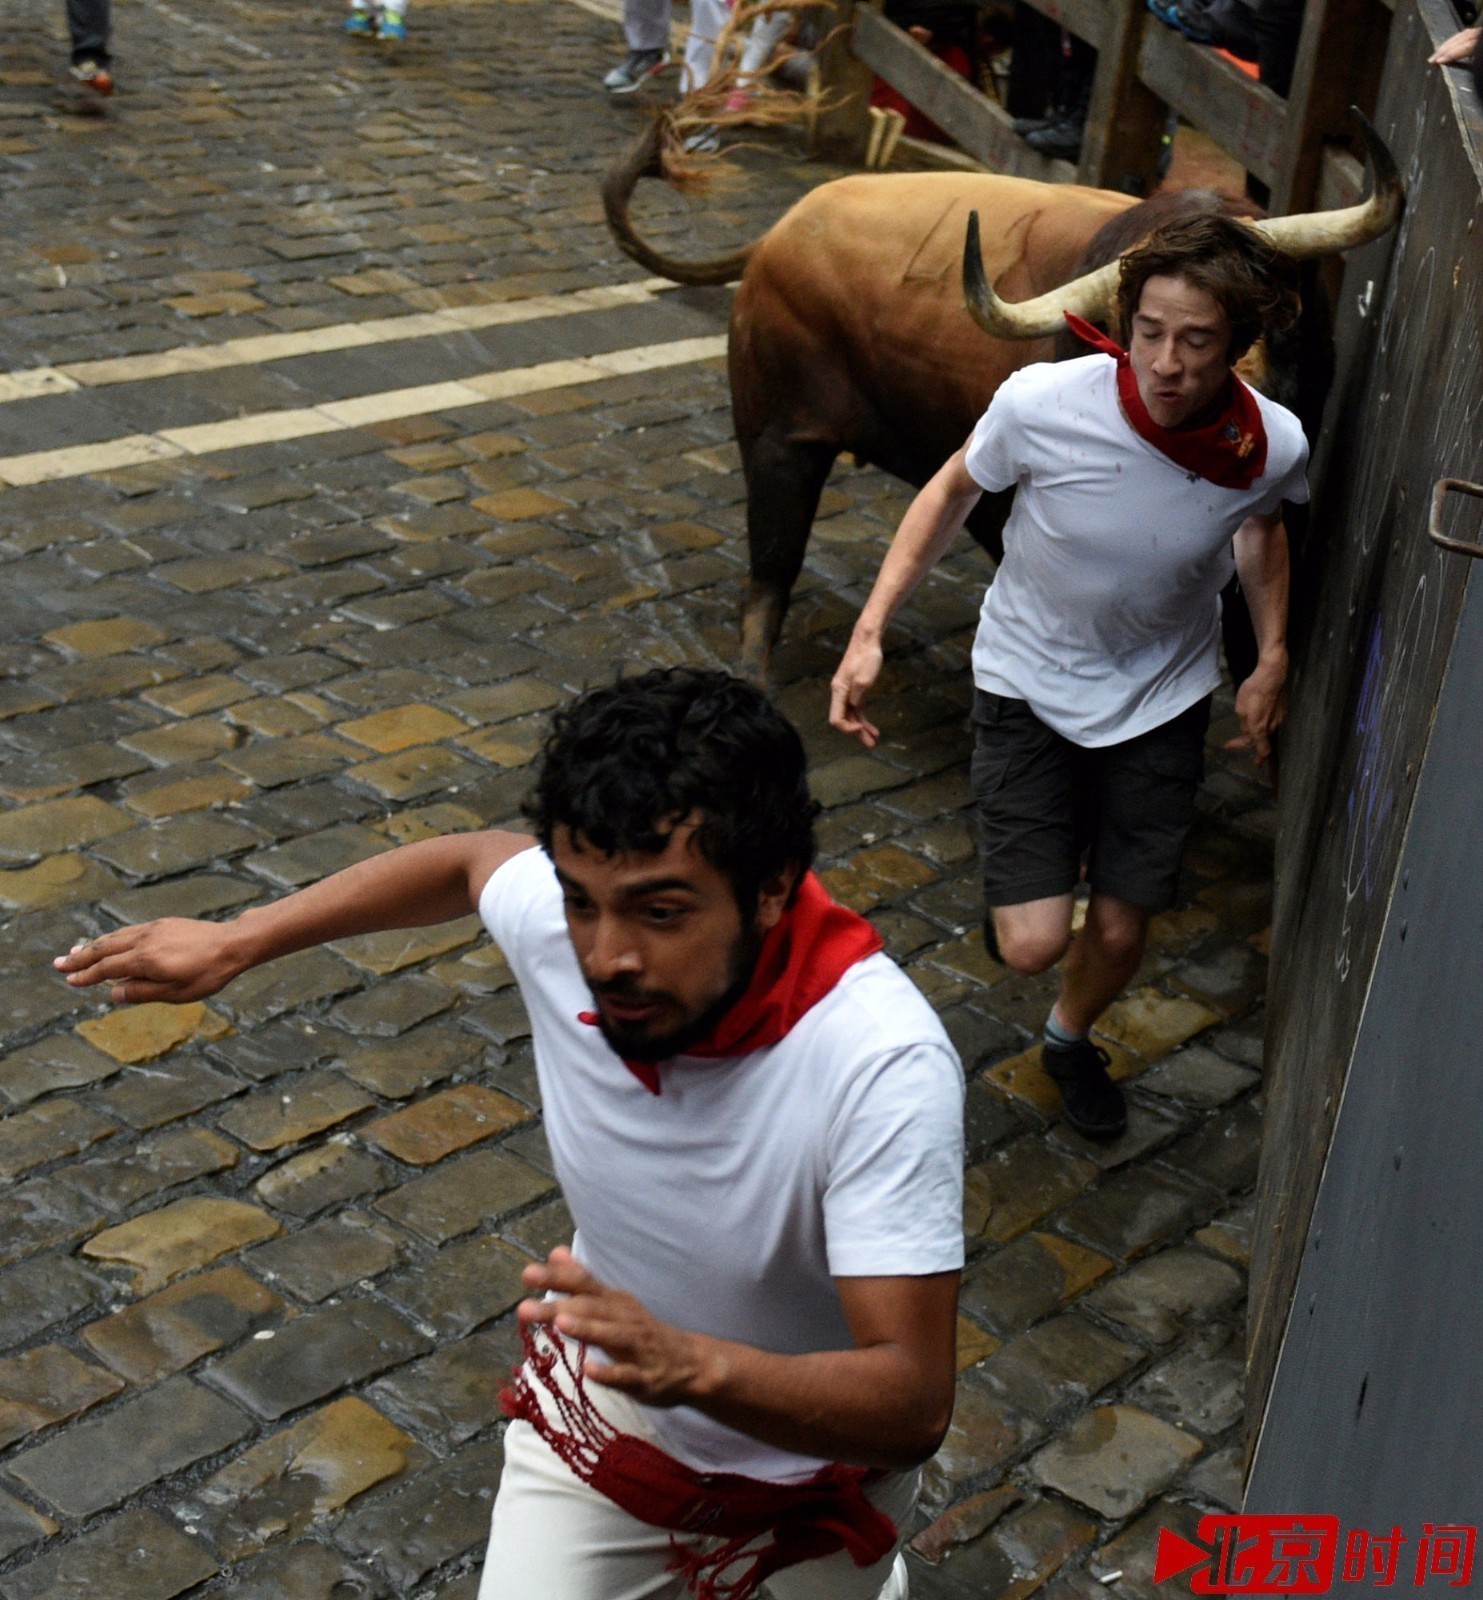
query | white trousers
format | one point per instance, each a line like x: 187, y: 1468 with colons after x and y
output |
x: 646, y: 27
x: 555, y: 1538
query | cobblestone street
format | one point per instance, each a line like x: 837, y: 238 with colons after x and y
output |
x: 338, y: 443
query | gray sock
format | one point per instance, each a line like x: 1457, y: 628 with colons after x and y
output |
x: 1060, y: 1037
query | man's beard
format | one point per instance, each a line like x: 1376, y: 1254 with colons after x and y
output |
x: 660, y: 1047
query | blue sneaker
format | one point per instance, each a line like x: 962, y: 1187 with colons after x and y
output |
x: 393, y: 27
x: 361, y: 25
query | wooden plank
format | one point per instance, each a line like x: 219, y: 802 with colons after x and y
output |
x: 1245, y: 119
x: 842, y: 127
x: 1339, y: 50
x: 1087, y: 19
x: 1125, y: 123
x: 969, y: 118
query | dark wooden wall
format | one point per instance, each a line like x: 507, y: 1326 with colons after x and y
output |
x: 1376, y: 610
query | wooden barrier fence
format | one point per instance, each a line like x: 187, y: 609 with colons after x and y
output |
x: 1296, y: 146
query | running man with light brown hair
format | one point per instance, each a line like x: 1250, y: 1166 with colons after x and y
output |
x: 1143, y: 479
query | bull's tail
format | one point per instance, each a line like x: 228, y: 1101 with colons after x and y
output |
x: 731, y: 101
x: 644, y: 160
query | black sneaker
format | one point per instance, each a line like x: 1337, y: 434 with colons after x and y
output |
x: 1024, y: 125
x: 1061, y: 140
x: 635, y: 70
x: 1093, y: 1103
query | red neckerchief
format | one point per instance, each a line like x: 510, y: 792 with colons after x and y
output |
x: 1230, y: 452
x: 804, y: 954
x: 750, y: 1528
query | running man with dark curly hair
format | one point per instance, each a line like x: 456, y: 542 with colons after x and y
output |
x: 1141, y: 482
x: 747, y: 1351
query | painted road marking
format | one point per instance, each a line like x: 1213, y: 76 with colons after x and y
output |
x: 267, y: 427
x: 29, y: 382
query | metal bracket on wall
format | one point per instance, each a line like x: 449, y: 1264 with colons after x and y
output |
x: 1444, y: 487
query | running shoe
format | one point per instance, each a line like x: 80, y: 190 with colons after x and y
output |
x: 93, y: 75
x: 635, y: 70
x: 361, y: 24
x: 393, y: 28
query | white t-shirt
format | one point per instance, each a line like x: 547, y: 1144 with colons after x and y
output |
x: 1104, y: 615
x: 728, y: 1202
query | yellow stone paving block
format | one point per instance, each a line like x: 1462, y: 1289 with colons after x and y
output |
x: 517, y: 505
x: 189, y: 794
x: 377, y: 280
x: 894, y: 866
x: 215, y: 305
x: 974, y: 1344
x: 278, y: 1486
x: 1152, y: 1024
x: 1017, y: 1186
x: 58, y: 881
x: 1175, y: 931
x: 429, y: 822
x: 109, y: 637
x: 970, y: 957
x: 505, y: 747
x: 490, y: 446
x: 413, y: 772
x: 191, y: 696
x: 276, y: 715
x: 45, y: 1386
x: 433, y: 1128
x: 1023, y: 1077
x: 133, y: 1034
x: 402, y: 727
x: 480, y: 971
x: 195, y: 739
x: 165, y: 1244
x: 385, y: 953
x: 59, y: 825
x: 1080, y: 1268
x: 165, y: 1333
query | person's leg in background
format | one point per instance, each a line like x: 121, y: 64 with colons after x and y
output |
x: 646, y: 28
x: 90, y: 23
x: 707, y: 19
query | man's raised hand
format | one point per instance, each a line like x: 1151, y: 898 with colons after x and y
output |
x: 657, y: 1364
x: 174, y: 959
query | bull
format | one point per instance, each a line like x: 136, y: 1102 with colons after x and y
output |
x: 850, y: 333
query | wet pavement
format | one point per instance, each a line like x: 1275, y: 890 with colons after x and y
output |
x: 355, y: 447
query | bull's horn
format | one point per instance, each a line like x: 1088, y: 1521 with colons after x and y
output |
x: 1322, y: 233
x: 1089, y: 297
x: 1314, y: 233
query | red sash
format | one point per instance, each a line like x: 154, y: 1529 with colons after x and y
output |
x: 1230, y: 452
x: 751, y: 1528
x: 804, y: 954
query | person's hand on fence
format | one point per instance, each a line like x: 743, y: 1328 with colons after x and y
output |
x: 1461, y: 46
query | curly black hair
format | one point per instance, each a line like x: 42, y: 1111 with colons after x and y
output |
x: 625, y: 763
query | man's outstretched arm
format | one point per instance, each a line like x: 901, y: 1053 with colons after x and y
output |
x: 886, y: 1403
x: 178, y: 959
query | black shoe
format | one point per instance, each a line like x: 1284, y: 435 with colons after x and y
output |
x: 1062, y: 139
x: 1093, y: 1103
x: 1024, y: 125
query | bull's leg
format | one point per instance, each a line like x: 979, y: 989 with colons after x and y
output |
x: 784, y: 480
